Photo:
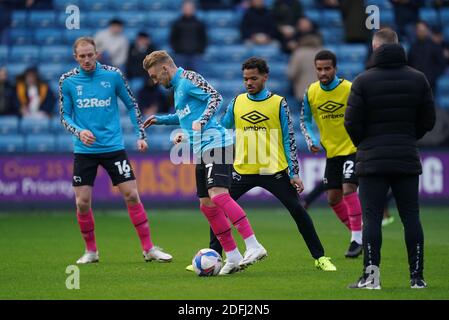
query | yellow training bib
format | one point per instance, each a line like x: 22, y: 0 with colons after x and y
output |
x: 328, y: 109
x: 259, y: 146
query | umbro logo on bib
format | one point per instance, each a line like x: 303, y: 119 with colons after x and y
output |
x: 254, y: 117
x: 330, y: 106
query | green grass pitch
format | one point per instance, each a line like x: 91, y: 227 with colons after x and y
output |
x: 37, y: 248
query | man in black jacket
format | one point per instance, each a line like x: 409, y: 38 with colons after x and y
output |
x: 188, y: 37
x: 390, y: 107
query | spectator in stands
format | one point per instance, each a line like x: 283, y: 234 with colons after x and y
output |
x: 5, y: 20
x: 34, y: 96
x: 217, y: 4
x: 406, y: 14
x: 188, y: 37
x: 438, y: 38
x: 258, y: 25
x: 301, y: 68
x: 354, y: 19
x: 137, y: 52
x: 304, y: 27
x: 331, y: 4
x: 7, y: 101
x: 151, y: 99
x: 112, y: 45
x: 286, y: 13
x: 426, y: 56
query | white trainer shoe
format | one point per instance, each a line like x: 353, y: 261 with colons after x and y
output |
x: 88, y: 257
x: 253, y: 255
x: 229, y: 268
x: 157, y: 254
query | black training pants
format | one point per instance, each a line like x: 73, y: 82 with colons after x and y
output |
x: 279, y: 185
x: 372, y: 192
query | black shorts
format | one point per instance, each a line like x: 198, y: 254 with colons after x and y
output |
x: 115, y: 163
x: 340, y: 170
x: 278, y: 184
x: 214, y: 172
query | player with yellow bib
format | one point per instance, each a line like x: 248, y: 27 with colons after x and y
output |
x: 325, y: 101
x: 266, y: 154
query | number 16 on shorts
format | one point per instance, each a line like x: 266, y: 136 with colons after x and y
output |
x: 123, y: 168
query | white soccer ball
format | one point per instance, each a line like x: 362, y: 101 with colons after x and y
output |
x: 207, y: 262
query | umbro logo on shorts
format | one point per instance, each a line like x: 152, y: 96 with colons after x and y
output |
x: 77, y: 179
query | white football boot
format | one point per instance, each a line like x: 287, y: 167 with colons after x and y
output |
x: 253, y: 255
x: 229, y: 268
x: 157, y: 254
x: 89, y: 257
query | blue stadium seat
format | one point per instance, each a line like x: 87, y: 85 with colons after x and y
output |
x: 64, y: 143
x: 278, y: 69
x: 308, y: 4
x: 42, y: 19
x: 12, y: 143
x: 224, y: 36
x: 446, y: 32
x: 100, y: 19
x: 130, y: 140
x: 156, y: 142
x: 443, y: 102
x: 46, y: 37
x: 332, y: 47
x: 134, y: 19
x: 314, y: 15
x: 268, y: 52
x: 24, y: 54
x: 332, y: 36
x: 349, y: 70
x: 19, y: 19
x: 234, y: 53
x: 61, y: 5
x: 221, y: 18
x: 352, y: 52
x: 34, y: 126
x: 9, y: 124
x: 443, y: 85
x: 21, y: 36
x: 136, y: 84
x: 3, y: 54
x: 227, y: 70
x: 161, y: 19
x: 160, y: 36
x: 230, y: 88
x: 279, y: 86
x: 332, y: 18
x: 156, y: 5
x: 429, y: 15
x: 40, y: 143
x: 56, y: 54
x: 444, y: 14
x: 387, y: 18
x: 97, y: 5
x: 128, y: 5
x: 382, y: 4
x: 126, y: 124
x: 71, y: 35
x: 131, y: 33
x: 51, y: 71
x: 56, y: 126
x: 14, y: 69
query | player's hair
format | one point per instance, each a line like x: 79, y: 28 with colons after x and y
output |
x: 256, y: 63
x: 157, y: 57
x: 386, y: 36
x: 81, y: 40
x: 326, y: 55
